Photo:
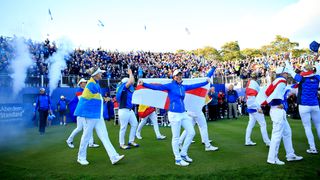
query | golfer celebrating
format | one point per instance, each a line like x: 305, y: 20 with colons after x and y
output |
x: 90, y: 108
x: 177, y: 114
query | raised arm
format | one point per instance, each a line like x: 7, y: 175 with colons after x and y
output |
x: 195, y: 86
x: 131, y: 78
x: 160, y: 87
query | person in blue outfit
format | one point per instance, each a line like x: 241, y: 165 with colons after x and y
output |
x: 126, y: 113
x: 43, y: 106
x: 62, y: 106
x: 307, y: 102
x: 177, y: 114
x: 232, y: 97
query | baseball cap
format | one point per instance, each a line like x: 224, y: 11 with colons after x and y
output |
x: 176, y: 72
x: 81, y: 81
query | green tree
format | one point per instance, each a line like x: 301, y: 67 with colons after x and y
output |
x: 283, y: 44
x: 250, y: 52
x: 208, y: 52
x: 299, y: 52
x: 231, y: 51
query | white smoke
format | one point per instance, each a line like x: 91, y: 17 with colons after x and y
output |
x: 20, y: 64
x: 58, y: 63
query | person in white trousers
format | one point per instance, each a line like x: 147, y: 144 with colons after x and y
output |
x: 308, y: 104
x: 255, y: 112
x: 90, y: 109
x: 126, y: 113
x: 200, y: 119
x: 143, y: 120
x: 80, y: 123
x: 177, y: 114
x: 280, y: 127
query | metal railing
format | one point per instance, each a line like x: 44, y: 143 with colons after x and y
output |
x: 71, y: 81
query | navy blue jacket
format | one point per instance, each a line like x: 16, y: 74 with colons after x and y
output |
x: 43, y: 103
x: 308, y: 89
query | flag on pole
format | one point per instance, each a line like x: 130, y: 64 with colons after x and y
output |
x: 187, y: 30
x: 50, y: 15
x: 100, y: 23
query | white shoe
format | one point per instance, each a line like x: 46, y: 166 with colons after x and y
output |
x: 187, y: 159
x: 93, y: 145
x: 277, y: 162
x: 211, y: 148
x: 181, y: 163
x: 192, y: 141
x: 83, y: 162
x: 250, y: 143
x: 70, y: 144
x: 312, y: 151
x: 294, y: 158
x: 60, y: 123
x: 161, y: 137
x: 117, y: 159
x: 65, y: 124
x: 138, y: 136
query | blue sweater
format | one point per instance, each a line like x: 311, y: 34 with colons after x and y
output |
x: 176, y: 93
x: 43, y: 103
x: 308, y: 90
x: 232, y: 96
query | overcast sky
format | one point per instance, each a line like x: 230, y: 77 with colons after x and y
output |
x: 162, y: 24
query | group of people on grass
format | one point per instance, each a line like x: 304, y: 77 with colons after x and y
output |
x: 90, y: 109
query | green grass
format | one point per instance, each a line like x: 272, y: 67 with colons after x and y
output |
x: 47, y: 157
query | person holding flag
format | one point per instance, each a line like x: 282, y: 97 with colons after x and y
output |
x: 145, y: 113
x: 308, y: 104
x: 126, y: 114
x: 255, y: 112
x: 199, y: 118
x: 177, y: 114
x: 90, y: 108
x: 80, y: 121
x: 280, y: 127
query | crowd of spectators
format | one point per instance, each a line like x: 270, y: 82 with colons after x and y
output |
x: 143, y: 64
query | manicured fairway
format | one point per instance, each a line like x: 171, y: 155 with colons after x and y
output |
x: 32, y: 156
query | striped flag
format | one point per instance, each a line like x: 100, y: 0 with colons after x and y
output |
x: 194, y: 99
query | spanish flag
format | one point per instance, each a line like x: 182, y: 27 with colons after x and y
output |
x: 144, y: 111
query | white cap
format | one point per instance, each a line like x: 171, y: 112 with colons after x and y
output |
x: 281, y: 70
x: 81, y: 81
x: 61, y: 97
x: 176, y: 72
x: 125, y: 80
x: 97, y: 71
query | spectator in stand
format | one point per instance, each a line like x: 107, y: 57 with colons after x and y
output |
x: 232, y: 97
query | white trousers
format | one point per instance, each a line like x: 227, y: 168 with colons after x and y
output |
x: 280, y: 131
x: 80, y: 127
x: 177, y: 120
x: 253, y: 118
x: 153, y: 117
x: 307, y: 113
x: 127, y: 116
x: 200, y: 119
x: 100, y: 126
